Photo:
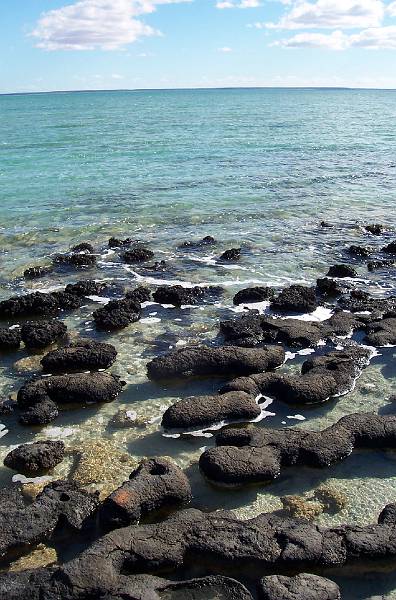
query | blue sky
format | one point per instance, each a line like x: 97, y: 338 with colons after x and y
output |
x: 111, y: 44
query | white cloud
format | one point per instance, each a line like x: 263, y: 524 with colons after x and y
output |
x: 375, y: 38
x: 331, y: 14
x: 225, y: 49
x: 238, y: 4
x: 96, y: 24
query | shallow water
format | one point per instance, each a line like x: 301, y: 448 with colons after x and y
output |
x: 254, y: 168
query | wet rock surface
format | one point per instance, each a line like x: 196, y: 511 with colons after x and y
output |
x: 342, y: 271
x: 36, y: 272
x: 35, y: 458
x: 156, y: 485
x: 80, y: 355
x: 203, y: 411
x: 295, y: 298
x: 40, y: 334
x: 383, y: 332
x: 205, y: 360
x: 117, y: 314
x: 137, y: 255
x: 37, y: 303
x: 208, y: 240
x: 253, y: 294
x: 304, y: 586
x: 179, y: 295
x: 231, y: 255
x: 10, y: 339
x: 245, y: 456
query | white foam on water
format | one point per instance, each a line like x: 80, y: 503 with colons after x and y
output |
x: 100, y: 299
x: 296, y: 417
x: 3, y: 430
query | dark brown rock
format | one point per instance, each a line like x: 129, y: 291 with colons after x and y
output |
x: 137, y: 255
x: 231, y: 255
x: 304, y: 586
x: 31, y: 459
x: 253, y: 294
x: 296, y: 298
x: 39, y: 334
x: 10, y: 339
x: 80, y: 356
x: 342, y: 271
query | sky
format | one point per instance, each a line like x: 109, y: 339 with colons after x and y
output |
x: 48, y: 45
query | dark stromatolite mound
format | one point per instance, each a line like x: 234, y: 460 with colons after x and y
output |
x: 87, y: 287
x: 245, y: 456
x: 375, y: 229
x: 118, y: 243
x: 390, y: 248
x: 178, y: 295
x: 36, y: 304
x: 244, y: 331
x: 341, y: 271
x: 208, y: 240
x: 304, y: 586
x: 36, y: 272
x: 61, y: 508
x: 10, y: 339
x: 42, y: 413
x: 296, y: 298
x: 231, y: 255
x: 83, y: 247
x: 156, y: 485
x: 139, y: 295
x: 328, y: 287
x: 39, y: 334
x: 321, y: 378
x: 76, y: 260
x: 359, y: 251
x: 191, y: 539
x: 80, y: 355
x: 137, y: 255
x: 253, y: 294
x: 382, y: 333
x: 78, y: 388
x: 203, y: 411
x: 117, y: 314
x: 204, y: 360
x: 66, y: 301
x: 375, y: 265
x: 360, y: 301
x: 34, y: 458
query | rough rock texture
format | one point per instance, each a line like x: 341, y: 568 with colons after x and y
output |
x: 230, y: 255
x: 203, y: 411
x: 117, y: 314
x: 206, y: 241
x: 36, y: 272
x: 10, y: 339
x: 41, y: 413
x: 80, y: 356
x: 76, y: 260
x: 296, y: 298
x: 40, y: 396
x: 179, y: 295
x: 37, y: 457
x: 328, y: 287
x: 375, y: 229
x: 360, y: 251
x: 117, y: 243
x: 359, y: 301
x: 39, y: 334
x: 37, y: 304
x: 245, y: 456
x: 373, y: 265
x: 342, y: 271
x: 61, y: 505
x: 204, y: 360
x: 382, y: 333
x: 156, y: 485
x: 87, y: 287
x: 253, y: 294
x: 136, y: 255
x: 139, y: 295
x: 390, y: 248
x: 322, y: 377
x: 83, y: 247
x: 304, y: 586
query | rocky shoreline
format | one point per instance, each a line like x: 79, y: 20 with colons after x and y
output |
x: 140, y: 540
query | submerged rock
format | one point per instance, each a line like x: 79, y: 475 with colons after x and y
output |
x: 10, y: 339
x: 83, y: 247
x: 253, y: 294
x: 41, y: 556
x: 39, y: 397
x: 300, y: 507
x: 342, y: 271
x: 36, y: 272
x: 375, y: 229
x: 87, y: 287
x: 304, y: 586
x: 206, y: 241
x: 139, y: 295
x: 117, y: 243
x: 156, y: 485
x: 117, y: 314
x: 360, y: 251
x: 136, y: 255
x: 35, y: 458
x: 231, y: 255
x: 245, y: 456
x: 80, y: 355
x: 296, y: 298
x: 39, y: 334
x: 77, y: 260
x: 203, y: 411
x: 204, y: 360
x: 390, y: 248
x: 373, y: 265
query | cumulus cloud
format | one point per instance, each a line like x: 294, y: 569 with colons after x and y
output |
x: 96, y: 24
x: 331, y: 14
x: 374, y: 38
x: 238, y: 4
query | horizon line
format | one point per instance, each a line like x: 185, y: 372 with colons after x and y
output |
x: 175, y: 89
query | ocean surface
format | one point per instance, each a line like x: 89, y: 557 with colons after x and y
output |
x: 256, y: 169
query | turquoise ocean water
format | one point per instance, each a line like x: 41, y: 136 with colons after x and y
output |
x: 254, y: 168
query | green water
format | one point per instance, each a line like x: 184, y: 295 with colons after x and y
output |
x: 254, y: 168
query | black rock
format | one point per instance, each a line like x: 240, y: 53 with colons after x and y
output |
x: 375, y: 229
x: 42, y: 413
x: 117, y: 243
x: 80, y: 356
x: 206, y: 241
x: 139, y: 295
x: 88, y: 287
x: 304, y: 586
x: 178, y: 295
x: 359, y: 251
x: 77, y: 260
x: 326, y: 225
x: 10, y: 339
x: 36, y: 272
x: 373, y: 265
x: 342, y: 271
x: 137, y: 255
x: 254, y: 294
x: 390, y: 248
x: 328, y: 287
x: 381, y: 333
x: 230, y: 255
x: 296, y: 298
x: 39, y: 334
x: 30, y: 459
x: 83, y: 247
x: 117, y: 314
